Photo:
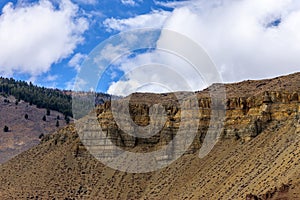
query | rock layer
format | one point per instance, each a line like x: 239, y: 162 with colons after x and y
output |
x: 257, y: 150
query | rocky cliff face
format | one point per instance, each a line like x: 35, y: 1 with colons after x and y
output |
x: 245, y: 118
x: 256, y: 152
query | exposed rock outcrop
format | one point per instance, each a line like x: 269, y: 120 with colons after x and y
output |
x: 245, y: 118
x: 257, y: 150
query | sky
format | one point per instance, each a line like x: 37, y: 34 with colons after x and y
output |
x: 48, y: 42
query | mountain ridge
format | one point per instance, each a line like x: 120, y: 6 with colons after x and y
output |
x: 257, y: 151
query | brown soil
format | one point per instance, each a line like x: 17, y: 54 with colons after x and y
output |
x: 265, y: 165
x: 23, y: 133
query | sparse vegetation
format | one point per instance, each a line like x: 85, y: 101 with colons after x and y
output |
x: 231, y: 170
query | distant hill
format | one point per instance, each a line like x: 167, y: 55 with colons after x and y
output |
x: 42, y: 97
x: 256, y: 157
x: 53, y: 99
x: 26, y: 125
x: 19, y: 98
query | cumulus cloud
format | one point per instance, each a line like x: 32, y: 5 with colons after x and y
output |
x: 34, y: 36
x: 148, y: 72
x: 247, y: 39
x: 155, y: 19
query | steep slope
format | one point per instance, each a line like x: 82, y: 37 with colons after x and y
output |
x: 257, y: 151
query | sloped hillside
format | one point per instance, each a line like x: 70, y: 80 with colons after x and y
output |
x: 19, y: 100
x: 257, y: 155
x: 25, y: 125
x: 61, y: 168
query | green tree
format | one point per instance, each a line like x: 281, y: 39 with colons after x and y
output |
x: 48, y: 112
x: 5, y: 129
x: 41, y: 135
x: 26, y: 116
x: 57, y: 123
x: 67, y: 119
x: 44, y: 118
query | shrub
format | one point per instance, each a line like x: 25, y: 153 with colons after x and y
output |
x: 41, y: 135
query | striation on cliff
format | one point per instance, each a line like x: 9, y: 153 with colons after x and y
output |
x: 256, y: 152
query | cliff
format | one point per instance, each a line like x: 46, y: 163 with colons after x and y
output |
x: 256, y: 151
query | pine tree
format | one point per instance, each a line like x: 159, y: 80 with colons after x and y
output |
x: 57, y: 123
x: 26, y: 116
x: 44, y: 118
x: 48, y: 112
x: 67, y: 119
x: 5, y: 129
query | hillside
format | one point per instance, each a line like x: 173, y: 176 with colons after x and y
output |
x: 256, y: 157
x: 19, y: 98
x: 42, y: 97
x: 24, y: 133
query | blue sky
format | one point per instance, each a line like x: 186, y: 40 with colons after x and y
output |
x: 60, y: 74
x: 46, y: 41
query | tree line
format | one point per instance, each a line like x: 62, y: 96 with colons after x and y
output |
x: 50, y: 99
x: 53, y: 99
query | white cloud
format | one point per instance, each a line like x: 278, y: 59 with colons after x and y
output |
x: 111, y: 52
x: 128, y: 2
x: 240, y: 37
x: 76, y: 61
x: 76, y: 84
x: 87, y: 2
x: 51, y: 77
x: 155, y: 19
x: 173, y: 4
x: 237, y: 37
x: 69, y: 85
x: 157, y: 71
x: 34, y: 36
